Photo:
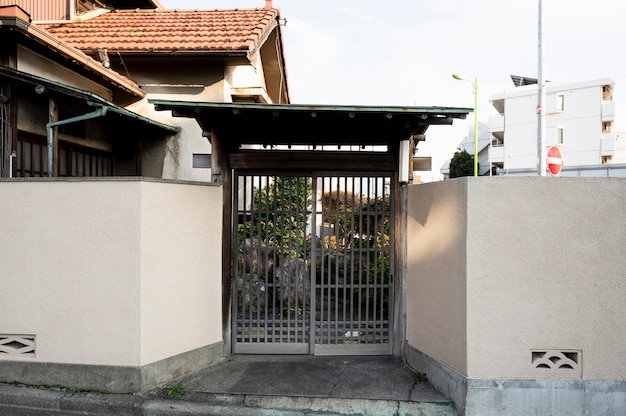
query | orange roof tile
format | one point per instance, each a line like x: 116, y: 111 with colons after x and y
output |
x: 167, y: 30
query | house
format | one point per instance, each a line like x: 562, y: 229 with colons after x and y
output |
x: 191, y: 55
x: 144, y: 44
x: 55, y: 11
x: 579, y: 119
x: 64, y: 114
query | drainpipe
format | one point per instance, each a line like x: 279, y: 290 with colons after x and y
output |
x: 100, y: 112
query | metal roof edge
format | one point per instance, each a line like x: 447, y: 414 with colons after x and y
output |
x: 450, y: 111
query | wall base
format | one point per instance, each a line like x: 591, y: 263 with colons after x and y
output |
x: 516, y: 397
x: 113, y: 379
x: 450, y: 383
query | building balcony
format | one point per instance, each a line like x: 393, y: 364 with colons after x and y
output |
x: 608, y: 111
x: 607, y: 144
x: 496, y: 123
x: 496, y: 154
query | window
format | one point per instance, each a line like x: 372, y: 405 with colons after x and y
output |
x: 32, y: 156
x: 559, y: 135
x: 32, y: 159
x: 560, y: 102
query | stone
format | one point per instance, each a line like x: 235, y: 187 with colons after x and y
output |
x: 295, y: 280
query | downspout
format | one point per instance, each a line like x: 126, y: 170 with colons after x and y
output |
x: 100, y: 112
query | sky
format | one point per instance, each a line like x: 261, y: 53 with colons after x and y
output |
x: 404, y: 52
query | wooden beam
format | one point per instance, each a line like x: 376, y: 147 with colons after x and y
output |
x: 311, y: 161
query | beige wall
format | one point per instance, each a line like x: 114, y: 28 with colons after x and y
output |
x: 32, y: 63
x: 540, y: 267
x: 181, y: 273
x: 119, y: 272
x: 436, y: 268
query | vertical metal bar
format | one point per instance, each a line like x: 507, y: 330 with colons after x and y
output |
x: 335, y: 216
x: 351, y: 223
x: 279, y: 193
x: 246, y: 276
x: 392, y: 259
x: 306, y: 285
x: 313, y: 268
x: 271, y: 185
x: 235, y: 336
x: 342, y: 214
x: 247, y: 220
x: 298, y: 249
x: 295, y: 246
x: 263, y: 260
x: 286, y: 284
x: 368, y: 233
x: 265, y: 280
x: 256, y: 274
x: 241, y: 289
x: 326, y: 260
x: 377, y: 283
x: 383, y: 258
x: 360, y: 252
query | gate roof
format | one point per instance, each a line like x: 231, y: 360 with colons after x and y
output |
x: 290, y: 124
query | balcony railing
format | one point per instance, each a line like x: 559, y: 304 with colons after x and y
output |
x: 496, y: 154
x: 608, y: 111
x: 607, y: 144
x: 496, y: 123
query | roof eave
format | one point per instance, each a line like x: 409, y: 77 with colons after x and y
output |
x: 221, y: 53
x: 278, y: 124
x: 82, y: 94
x: 72, y: 54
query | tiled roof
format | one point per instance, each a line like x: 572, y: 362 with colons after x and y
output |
x: 168, y: 30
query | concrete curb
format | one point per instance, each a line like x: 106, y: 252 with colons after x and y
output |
x: 220, y: 405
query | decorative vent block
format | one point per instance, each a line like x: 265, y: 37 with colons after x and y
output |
x: 560, y: 362
x: 17, y: 345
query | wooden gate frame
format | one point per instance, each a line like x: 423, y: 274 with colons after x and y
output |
x: 234, y: 128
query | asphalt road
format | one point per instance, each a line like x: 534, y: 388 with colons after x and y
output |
x: 16, y: 411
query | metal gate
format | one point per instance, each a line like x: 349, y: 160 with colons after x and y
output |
x: 314, y: 260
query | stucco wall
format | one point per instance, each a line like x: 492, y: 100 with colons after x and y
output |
x: 181, y: 273
x: 33, y: 63
x: 537, y: 265
x: 436, y: 269
x: 200, y: 82
x: 116, y: 272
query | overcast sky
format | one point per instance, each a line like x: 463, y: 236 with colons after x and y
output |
x: 403, y: 52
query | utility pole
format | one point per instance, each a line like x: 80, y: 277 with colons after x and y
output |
x: 541, y: 99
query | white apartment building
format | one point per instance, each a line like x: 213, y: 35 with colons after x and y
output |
x: 579, y: 121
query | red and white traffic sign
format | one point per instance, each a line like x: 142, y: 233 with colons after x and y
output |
x: 555, y: 160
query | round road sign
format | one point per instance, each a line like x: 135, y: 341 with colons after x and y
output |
x: 555, y: 160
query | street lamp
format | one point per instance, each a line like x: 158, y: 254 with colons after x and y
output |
x: 475, y: 91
